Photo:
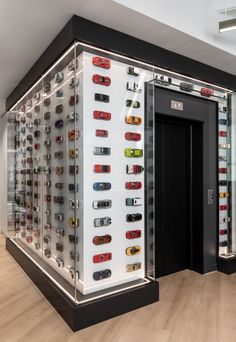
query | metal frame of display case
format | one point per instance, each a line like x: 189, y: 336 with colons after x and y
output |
x: 83, y: 31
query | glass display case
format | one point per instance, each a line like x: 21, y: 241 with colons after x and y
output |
x: 83, y: 179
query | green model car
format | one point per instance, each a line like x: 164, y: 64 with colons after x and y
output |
x: 133, y: 152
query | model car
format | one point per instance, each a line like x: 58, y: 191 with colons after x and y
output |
x: 101, y: 115
x: 29, y: 103
x: 37, y: 245
x: 74, y: 99
x: 101, y: 62
x: 36, y: 134
x: 37, y: 146
x: 100, y: 275
x: 48, y: 212
x: 37, y: 96
x: 133, y: 120
x: 131, y: 136
x: 74, y: 274
x: 222, y: 108
x: 47, y: 87
x: 133, y: 250
x: 133, y: 86
x: 164, y: 80
x: 102, y: 204
x: 133, y: 267
x: 59, y: 77
x: 73, y: 64
x: 58, y: 199
x: 133, y: 152
x: 223, y: 183
x: 133, y: 217
x: 29, y: 125
x: 73, y: 134
x: 72, y: 116
x: 223, y: 194
x: 59, y: 93
x: 102, y: 133
x: 225, y: 219
x: 133, y: 71
x: 222, y: 170
x: 59, y: 139
x: 47, y: 156
x: 59, y: 186
x: 101, y: 97
x: 47, y: 226
x: 102, y: 257
x: 47, y: 170
x: 23, y: 130
x: 47, y: 143
x: 133, y: 202
x: 207, y: 92
x: 47, y: 198
x: 100, y: 240
x: 186, y: 87
x: 133, y: 234
x: 102, y: 221
x: 224, y: 207
x: 37, y: 122
x: 37, y: 109
x: 74, y: 222
x: 29, y: 239
x: 102, y: 80
x: 74, y: 204
x: 46, y: 239
x: 222, y: 134
x: 101, y: 186
x: 223, y: 231
x: 59, y: 170
x: 222, y: 122
x: 47, y: 102
x: 59, y: 247
x: 74, y: 255
x: 60, y: 262
x: 73, y: 153
x: 101, y: 151
x: 133, y: 185
x: 48, y: 184
x: 23, y: 119
x: 223, y: 243
x: 59, y: 123
x: 58, y: 155
x: 73, y: 187
x: 133, y: 104
x: 59, y: 109
x: 59, y: 217
x: 73, y: 239
x: 73, y: 169
x: 47, y: 116
x: 60, y: 232
x: 73, y: 83
x: 47, y: 253
x: 224, y: 146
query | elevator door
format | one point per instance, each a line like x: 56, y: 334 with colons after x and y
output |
x: 185, y: 173
x: 173, y: 200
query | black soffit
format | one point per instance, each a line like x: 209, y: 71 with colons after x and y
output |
x: 91, y: 33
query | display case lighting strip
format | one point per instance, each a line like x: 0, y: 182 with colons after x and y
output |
x: 154, y: 67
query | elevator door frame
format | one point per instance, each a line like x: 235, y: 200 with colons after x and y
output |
x: 204, y: 111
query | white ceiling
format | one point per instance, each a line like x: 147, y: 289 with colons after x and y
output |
x: 27, y: 27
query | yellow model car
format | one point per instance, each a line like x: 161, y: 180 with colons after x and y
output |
x: 133, y: 152
x: 133, y: 250
x: 74, y: 222
x: 133, y: 120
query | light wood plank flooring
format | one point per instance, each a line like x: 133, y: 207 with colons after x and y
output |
x: 192, y: 308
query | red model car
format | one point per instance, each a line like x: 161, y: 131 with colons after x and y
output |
x: 224, y: 207
x: 102, y: 257
x: 132, y: 136
x: 102, y: 168
x: 103, y: 133
x: 101, y: 115
x: 133, y: 234
x: 102, y: 62
x: 207, y: 92
x: 223, y: 231
x: 102, y: 80
x: 133, y: 185
x: 223, y: 134
x: 222, y: 170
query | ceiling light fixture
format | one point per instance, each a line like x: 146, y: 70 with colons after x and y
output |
x: 227, y: 25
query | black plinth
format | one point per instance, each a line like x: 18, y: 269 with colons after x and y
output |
x: 226, y: 265
x: 83, y: 315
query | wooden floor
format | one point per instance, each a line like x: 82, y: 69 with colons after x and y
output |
x: 192, y: 308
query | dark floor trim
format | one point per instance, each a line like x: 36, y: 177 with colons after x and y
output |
x: 227, y: 266
x: 86, y: 314
x: 104, y: 37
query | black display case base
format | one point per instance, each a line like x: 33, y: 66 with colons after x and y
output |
x: 85, y: 314
x: 226, y: 265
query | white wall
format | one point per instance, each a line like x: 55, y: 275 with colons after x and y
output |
x: 196, y: 18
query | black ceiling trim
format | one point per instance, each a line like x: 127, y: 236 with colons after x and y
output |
x: 98, y: 35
